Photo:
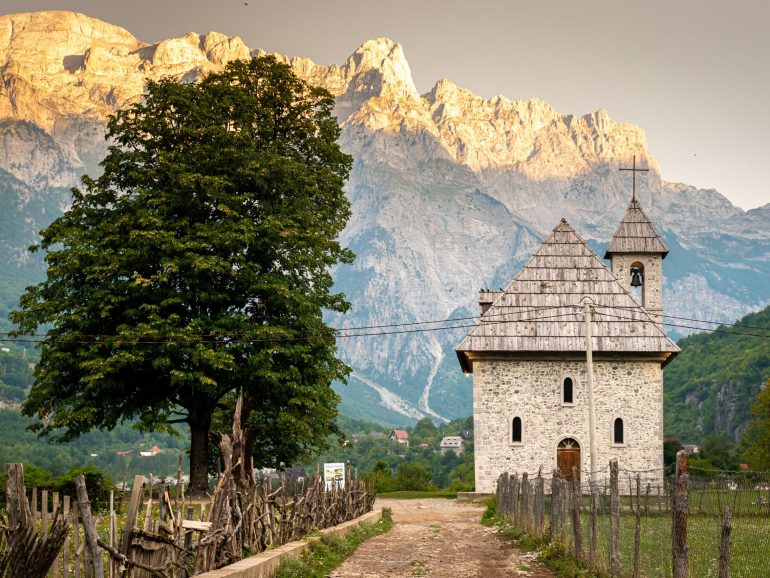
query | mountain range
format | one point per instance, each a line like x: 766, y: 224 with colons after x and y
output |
x: 450, y: 192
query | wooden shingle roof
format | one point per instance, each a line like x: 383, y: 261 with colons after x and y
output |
x: 636, y: 234
x: 541, y: 309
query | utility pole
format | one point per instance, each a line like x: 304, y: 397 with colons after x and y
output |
x: 588, y: 314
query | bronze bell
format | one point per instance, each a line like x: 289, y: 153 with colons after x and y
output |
x: 636, y: 277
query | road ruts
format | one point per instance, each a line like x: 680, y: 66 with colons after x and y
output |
x: 437, y: 538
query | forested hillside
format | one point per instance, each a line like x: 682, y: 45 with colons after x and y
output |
x: 710, y: 386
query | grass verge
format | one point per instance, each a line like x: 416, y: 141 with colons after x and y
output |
x: 413, y: 495
x: 550, y: 554
x: 332, y: 550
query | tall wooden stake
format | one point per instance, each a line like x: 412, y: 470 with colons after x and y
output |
x: 681, y: 509
x: 614, y: 520
x: 724, y: 546
x: 588, y: 315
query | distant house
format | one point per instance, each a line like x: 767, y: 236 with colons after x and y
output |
x: 425, y: 446
x: 154, y: 450
x: 467, y: 435
x: 399, y: 436
x: 454, y: 444
x: 691, y: 449
x: 376, y: 435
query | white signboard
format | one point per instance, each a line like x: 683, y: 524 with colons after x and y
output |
x: 334, y: 474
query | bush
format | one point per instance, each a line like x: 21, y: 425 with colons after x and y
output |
x: 414, y: 477
x: 98, y: 485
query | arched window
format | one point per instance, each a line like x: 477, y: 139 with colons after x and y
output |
x: 636, y: 271
x: 566, y: 391
x: 617, y: 433
x: 516, y: 430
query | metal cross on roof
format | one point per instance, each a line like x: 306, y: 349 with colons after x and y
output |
x: 635, y: 170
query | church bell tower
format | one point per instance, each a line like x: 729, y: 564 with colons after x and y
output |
x: 636, y: 253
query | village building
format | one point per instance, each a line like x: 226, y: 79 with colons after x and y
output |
x: 454, y: 444
x: 528, y: 357
x: 400, y: 436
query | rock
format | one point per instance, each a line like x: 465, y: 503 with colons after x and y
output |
x: 449, y: 191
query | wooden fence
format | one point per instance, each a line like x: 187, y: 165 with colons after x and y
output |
x: 691, y: 531
x: 163, y: 536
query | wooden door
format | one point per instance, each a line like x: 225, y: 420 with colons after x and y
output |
x: 567, y: 457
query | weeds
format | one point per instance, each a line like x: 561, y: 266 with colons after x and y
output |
x: 331, y: 550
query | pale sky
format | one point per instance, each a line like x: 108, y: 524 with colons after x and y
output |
x: 695, y: 74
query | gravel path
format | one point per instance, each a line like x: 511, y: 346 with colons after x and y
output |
x: 437, y: 538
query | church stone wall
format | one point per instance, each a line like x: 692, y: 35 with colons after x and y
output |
x: 532, y: 390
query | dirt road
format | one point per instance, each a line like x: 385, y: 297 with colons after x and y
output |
x: 437, y: 538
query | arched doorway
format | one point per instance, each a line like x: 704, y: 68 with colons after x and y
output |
x: 567, y: 457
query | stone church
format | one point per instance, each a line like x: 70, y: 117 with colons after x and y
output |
x: 528, y: 358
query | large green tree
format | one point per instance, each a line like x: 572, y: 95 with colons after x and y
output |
x: 199, y: 263
x: 756, y: 438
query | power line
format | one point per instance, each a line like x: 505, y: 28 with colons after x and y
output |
x: 523, y: 309
x: 709, y: 329
x: 739, y: 325
x: 354, y: 332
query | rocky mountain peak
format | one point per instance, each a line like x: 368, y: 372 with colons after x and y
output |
x: 379, y: 68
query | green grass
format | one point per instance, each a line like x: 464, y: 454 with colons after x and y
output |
x: 412, y: 495
x: 331, y: 550
x: 750, y: 556
x: 551, y: 554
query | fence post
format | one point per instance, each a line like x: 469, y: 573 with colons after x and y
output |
x: 724, y: 546
x: 554, y: 503
x: 88, y: 526
x: 680, y: 507
x: 16, y: 497
x: 614, y: 520
x: 526, y: 519
x: 515, y: 499
x: 592, y: 538
x: 638, y: 531
x: 576, y: 528
x: 539, y: 503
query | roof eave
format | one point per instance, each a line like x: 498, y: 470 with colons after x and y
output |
x: 465, y: 363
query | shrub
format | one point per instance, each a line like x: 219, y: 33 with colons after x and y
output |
x: 413, y: 477
x: 98, y: 485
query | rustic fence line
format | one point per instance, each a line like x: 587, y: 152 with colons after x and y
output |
x: 58, y: 536
x: 711, y: 523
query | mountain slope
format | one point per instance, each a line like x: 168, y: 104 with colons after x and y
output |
x: 711, y: 385
x: 450, y: 192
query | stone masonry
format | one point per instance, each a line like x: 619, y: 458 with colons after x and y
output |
x: 652, y: 290
x: 532, y: 390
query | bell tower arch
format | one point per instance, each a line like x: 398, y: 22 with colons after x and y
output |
x: 636, y: 253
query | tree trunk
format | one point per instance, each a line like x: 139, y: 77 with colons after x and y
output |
x: 200, y: 423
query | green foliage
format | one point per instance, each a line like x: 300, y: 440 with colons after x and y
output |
x: 670, y: 448
x: 198, y: 263
x: 463, y: 477
x: 756, y: 439
x: 720, y: 451
x: 96, y: 448
x: 414, y: 477
x: 378, y: 459
x: 713, y: 364
x: 424, y: 432
x: 15, y: 372
x: 331, y: 550
x: 98, y: 485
